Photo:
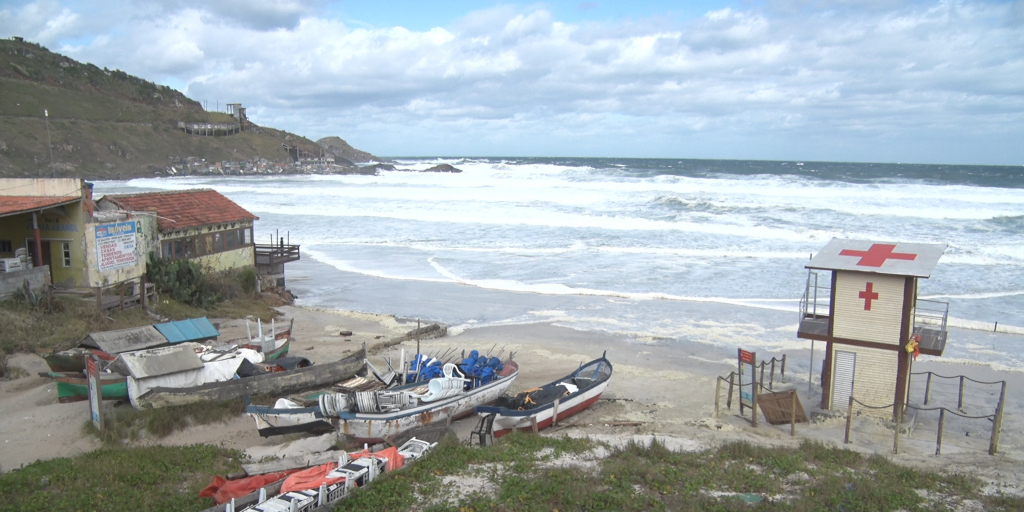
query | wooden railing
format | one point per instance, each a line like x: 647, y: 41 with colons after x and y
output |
x: 273, y: 254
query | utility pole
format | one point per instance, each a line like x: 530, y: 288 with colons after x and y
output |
x: 46, y: 118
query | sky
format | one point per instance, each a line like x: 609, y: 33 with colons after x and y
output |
x: 842, y: 80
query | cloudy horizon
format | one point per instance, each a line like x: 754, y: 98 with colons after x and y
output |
x: 855, y: 80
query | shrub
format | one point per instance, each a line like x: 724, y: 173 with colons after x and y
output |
x: 183, y: 280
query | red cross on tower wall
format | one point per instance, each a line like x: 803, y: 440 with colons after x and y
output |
x: 877, y: 255
x: 869, y: 294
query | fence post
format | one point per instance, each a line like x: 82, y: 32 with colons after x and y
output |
x: 728, y: 400
x: 849, y: 420
x: 718, y: 393
x: 997, y: 425
x: 960, y: 399
x: 762, y: 374
x: 99, y: 298
x: 792, y: 417
x: 753, y: 400
x: 928, y: 388
x: 938, y: 439
x: 783, y: 373
x: 899, y: 421
x: 771, y: 378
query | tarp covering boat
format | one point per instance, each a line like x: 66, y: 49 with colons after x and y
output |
x: 193, y: 329
x: 223, y: 490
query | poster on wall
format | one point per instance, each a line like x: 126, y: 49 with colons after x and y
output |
x: 115, y: 245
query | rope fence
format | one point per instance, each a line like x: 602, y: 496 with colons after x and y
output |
x: 736, y: 385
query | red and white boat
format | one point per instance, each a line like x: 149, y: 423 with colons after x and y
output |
x: 551, y: 402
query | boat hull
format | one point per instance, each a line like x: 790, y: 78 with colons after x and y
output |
x: 507, y: 420
x: 278, y: 383
x: 74, y: 387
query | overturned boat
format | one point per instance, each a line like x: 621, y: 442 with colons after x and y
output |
x: 541, y: 407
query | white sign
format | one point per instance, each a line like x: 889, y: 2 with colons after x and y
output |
x: 115, y: 245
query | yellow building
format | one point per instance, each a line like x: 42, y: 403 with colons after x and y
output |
x: 200, y: 225
x: 861, y: 300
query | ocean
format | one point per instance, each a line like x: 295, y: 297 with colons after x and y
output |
x: 656, y: 251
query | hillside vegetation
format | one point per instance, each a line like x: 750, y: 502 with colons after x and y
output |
x: 106, y: 123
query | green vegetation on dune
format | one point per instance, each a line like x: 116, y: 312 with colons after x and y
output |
x: 106, y: 123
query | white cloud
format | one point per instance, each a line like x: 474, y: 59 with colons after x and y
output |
x: 847, y: 81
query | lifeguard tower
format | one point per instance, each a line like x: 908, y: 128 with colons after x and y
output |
x: 867, y: 312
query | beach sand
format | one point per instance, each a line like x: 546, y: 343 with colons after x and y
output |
x: 667, y: 389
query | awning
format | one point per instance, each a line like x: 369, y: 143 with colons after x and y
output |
x: 193, y: 329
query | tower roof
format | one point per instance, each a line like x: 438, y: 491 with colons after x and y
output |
x: 894, y: 258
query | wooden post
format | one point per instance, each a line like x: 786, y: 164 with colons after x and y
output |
x: 960, y: 399
x: 997, y: 425
x: 896, y: 438
x: 771, y: 378
x: 142, y: 291
x: 120, y: 292
x: 753, y: 401
x: 849, y: 420
x: 783, y: 371
x: 752, y: 377
x: 728, y: 399
x: 533, y: 424
x: 99, y: 298
x: 938, y: 438
x: 718, y: 393
x: 927, y: 388
x: 792, y: 417
x: 554, y: 413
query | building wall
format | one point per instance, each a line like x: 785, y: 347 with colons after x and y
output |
x: 874, y: 380
x: 880, y: 324
x: 11, y: 283
x: 218, y: 247
x: 41, y: 187
x: 57, y: 226
x: 145, y: 239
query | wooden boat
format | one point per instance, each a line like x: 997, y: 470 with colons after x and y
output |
x: 273, y: 344
x: 73, y: 360
x: 275, y: 383
x: 352, y: 473
x: 551, y: 402
x: 74, y: 386
x: 403, y: 408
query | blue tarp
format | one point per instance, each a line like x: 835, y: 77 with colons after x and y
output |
x: 193, y: 329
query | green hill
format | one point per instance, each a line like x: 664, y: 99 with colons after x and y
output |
x: 106, y: 123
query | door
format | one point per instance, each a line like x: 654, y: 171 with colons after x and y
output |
x: 842, y: 383
x: 47, y: 256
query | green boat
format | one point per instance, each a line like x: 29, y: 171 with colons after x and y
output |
x: 74, y: 387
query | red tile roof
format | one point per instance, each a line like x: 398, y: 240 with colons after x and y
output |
x: 11, y: 205
x: 183, y: 209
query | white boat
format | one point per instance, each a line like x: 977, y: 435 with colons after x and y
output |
x: 372, y: 416
x: 544, y: 406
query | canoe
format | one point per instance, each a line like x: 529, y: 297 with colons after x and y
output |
x: 374, y: 427
x: 74, y: 386
x: 551, y: 402
x: 73, y: 360
x: 276, y: 383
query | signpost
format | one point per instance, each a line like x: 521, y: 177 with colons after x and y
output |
x: 95, y: 393
x: 115, y: 245
x: 748, y: 396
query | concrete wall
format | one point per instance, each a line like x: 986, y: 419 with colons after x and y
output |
x: 40, y: 187
x: 237, y: 258
x: 145, y: 235
x: 11, y: 282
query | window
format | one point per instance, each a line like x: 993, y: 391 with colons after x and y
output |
x: 218, y: 242
x: 167, y: 251
x: 232, y: 239
x: 178, y: 250
x: 208, y: 240
x: 65, y: 248
x: 247, y: 236
x: 6, y: 246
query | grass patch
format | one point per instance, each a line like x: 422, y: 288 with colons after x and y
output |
x: 61, y: 325
x: 125, y: 424
x: 735, y: 477
x: 153, y: 478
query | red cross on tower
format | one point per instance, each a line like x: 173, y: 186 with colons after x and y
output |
x: 868, y: 295
x: 876, y: 255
